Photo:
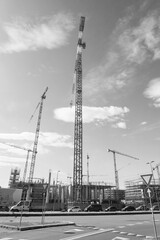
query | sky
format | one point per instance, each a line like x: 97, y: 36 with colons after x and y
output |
x: 121, y: 87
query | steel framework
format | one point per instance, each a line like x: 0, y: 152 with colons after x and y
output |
x: 36, y: 137
x: 78, y: 127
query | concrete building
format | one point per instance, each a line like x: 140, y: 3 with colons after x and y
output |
x: 136, y: 192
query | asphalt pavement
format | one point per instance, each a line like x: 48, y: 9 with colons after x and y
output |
x: 75, y: 226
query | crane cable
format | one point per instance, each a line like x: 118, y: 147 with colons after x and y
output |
x: 34, y: 112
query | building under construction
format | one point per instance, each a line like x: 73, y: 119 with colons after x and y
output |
x: 60, y: 196
x: 135, y: 191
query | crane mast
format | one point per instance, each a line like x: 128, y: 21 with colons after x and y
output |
x: 36, y: 137
x: 115, y: 166
x: 78, y: 127
x: 26, y: 165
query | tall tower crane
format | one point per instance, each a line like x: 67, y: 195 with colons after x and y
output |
x: 78, y: 126
x: 34, y: 152
x: 115, y: 167
x: 27, y: 158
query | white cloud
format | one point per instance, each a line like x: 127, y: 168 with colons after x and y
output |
x: 7, y: 161
x: 48, y: 33
x: 120, y: 125
x: 153, y: 91
x: 134, y: 41
x: 12, y: 159
x: 143, y: 123
x: 28, y: 136
x: 55, y: 140
x: 142, y: 41
x: 65, y: 114
x: 8, y: 164
x: 46, y: 139
x: 93, y: 114
x: 102, y: 79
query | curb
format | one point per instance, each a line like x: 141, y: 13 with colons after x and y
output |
x: 37, y: 226
x: 58, y: 213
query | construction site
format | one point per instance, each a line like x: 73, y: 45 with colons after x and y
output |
x: 56, y: 196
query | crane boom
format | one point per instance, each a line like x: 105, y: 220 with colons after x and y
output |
x: 26, y: 163
x: 36, y: 137
x: 109, y: 150
x: 12, y: 145
x: 115, y: 167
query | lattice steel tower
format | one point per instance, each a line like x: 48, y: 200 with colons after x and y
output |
x: 34, y: 153
x: 78, y: 127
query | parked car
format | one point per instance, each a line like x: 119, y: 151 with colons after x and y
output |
x: 111, y: 209
x: 74, y: 209
x: 21, y: 206
x: 128, y: 208
x: 155, y: 208
x: 4, y: 208
x: 142, y: 208
x: 93, y: 208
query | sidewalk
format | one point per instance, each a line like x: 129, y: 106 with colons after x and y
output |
x: 23, y: 226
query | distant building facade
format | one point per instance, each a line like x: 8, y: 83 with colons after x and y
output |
x: 136, y: 192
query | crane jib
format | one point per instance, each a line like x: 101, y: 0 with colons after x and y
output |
x: 44, y: 94
x: 123, y: 154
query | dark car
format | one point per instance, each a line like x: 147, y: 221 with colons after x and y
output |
x: 94, y: 208
x: 142, y: 208
x: 4, y: 208
x: 111, y: 209
x: 128, y: 208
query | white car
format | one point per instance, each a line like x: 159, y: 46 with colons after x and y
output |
x: 155, y: 208
x: 74, y: 209
x: 20, y: 206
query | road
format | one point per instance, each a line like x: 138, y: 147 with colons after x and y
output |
x: 119, y: 227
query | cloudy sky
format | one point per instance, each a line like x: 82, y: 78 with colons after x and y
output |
x: 121, y: 86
